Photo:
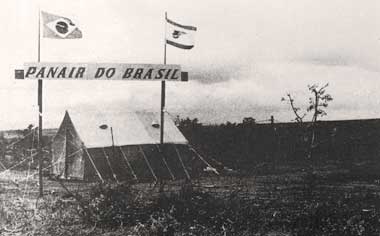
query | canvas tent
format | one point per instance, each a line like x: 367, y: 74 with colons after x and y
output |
x: 106, y: 146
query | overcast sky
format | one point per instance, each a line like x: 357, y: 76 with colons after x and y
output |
x: 247, y: 55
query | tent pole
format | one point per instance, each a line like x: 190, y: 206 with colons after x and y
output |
x: 40, y: 111
x: 163, y: 93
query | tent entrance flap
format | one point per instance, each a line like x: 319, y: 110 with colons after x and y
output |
x: 67, y: 152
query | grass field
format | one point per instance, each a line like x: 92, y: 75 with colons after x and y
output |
x: 329, y: 200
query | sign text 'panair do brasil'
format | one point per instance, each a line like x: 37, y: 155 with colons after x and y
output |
x: 102, y: 71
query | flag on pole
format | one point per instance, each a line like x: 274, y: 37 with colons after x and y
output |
x: 181, y: 36
x: 59, y: 27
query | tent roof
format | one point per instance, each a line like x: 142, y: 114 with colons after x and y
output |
x: 131, y: 128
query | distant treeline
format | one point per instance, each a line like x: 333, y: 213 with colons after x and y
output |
x: 241, y: 146
x: 248, y: 144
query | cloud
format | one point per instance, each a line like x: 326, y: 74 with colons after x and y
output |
x: 248, y: 54
x: 256, y: 93
x: 215, y: 73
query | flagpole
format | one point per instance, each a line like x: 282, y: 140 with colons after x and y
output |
x: 163, y: 92
x: 40, y: 154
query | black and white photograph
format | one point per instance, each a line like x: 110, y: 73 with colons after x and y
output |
x: 190, y: 118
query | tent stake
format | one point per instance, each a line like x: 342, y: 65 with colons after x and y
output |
x: 200, y: 157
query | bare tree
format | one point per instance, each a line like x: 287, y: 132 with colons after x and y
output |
x: 317, y: 105
x: 290, y: 99
x: 318, y: 102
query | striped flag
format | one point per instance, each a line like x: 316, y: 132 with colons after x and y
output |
x: 181, y: 36
x: 59, y: 27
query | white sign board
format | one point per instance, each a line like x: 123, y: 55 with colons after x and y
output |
x: 102, y: 71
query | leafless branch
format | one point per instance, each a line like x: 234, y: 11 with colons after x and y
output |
x: 295, y: 109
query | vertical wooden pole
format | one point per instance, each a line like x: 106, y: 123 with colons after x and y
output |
x: 40, y: 111
x: 163, y: 93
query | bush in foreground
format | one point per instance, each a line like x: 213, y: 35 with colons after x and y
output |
x: 124, y: 210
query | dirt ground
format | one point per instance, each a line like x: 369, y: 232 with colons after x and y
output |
x: 290, y: 199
